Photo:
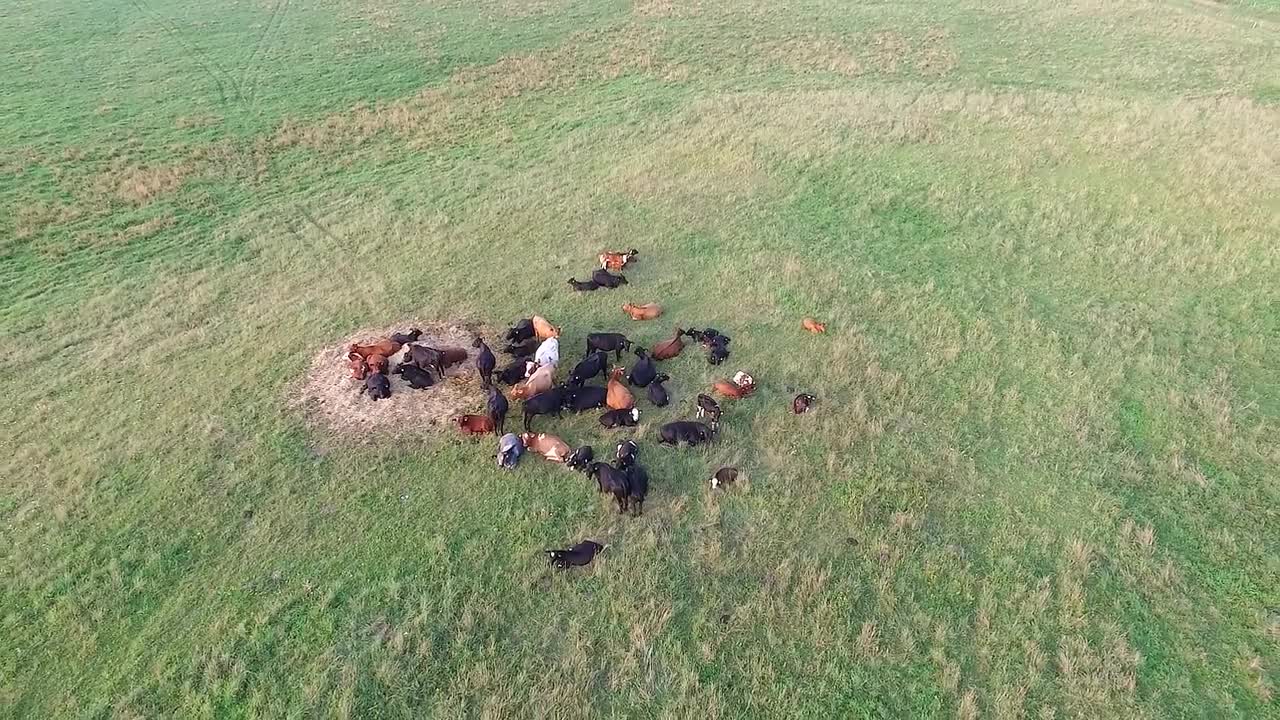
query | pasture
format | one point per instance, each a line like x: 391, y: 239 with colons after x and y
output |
x: 1042, y: 479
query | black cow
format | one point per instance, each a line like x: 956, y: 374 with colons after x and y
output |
x: 522, y: 349
x: 417, y: 378
x: 587, y: 368
x: 637, y: 487
x: 522, y: 330
x: 612, y: 481
x: 485, y: 362
x: 581, y: 458
x: 604, y: 278
x: 548, y: 402
x: 626, y: 453
x: 406, y: 338
x: 708, y: 407
x: 377, y: 386
x: 691, y: 433
x: 515, y: 372
x: 587, y: 286
x: 607, y: 342
x: 620, y: 418
x: 657, y: 393
x: 587, y: 397
x: 578, y: 555
x: 644, y: 371
x: 497, y: 407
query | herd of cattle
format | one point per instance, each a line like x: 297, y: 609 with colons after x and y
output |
x: 534, y: 346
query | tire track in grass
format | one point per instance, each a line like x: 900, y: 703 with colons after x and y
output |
x: 210, y: 66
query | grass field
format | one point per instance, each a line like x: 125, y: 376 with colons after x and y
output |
x: 1043, y: 480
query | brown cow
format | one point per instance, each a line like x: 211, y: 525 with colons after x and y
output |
x: 362, y: 366
x: 385, y: 348
x: 540, y: 381
x: 668, y: 349
x: 548, y: 446
x: 544, y: 329
x: 642, y: 312
x: 740, y: 386
x: 614, y: 260
x: 618, y: 397
x: 813, y: 326
x: 474, y: 424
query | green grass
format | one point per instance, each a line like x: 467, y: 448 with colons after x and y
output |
x: 1042, y: 480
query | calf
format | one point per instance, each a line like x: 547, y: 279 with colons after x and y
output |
x: 637, y: 487
x: 658, y: 393
x: 615, y: 342
x: 723, y: 476
x: 813, y: 326
x: 708, y: 407
x: 604, y: 278
x: 548, y: 402
x: 579, y: 286
x: 718, y: 353
x: 406, y: 338
x: 589, y: 367
x: 377, y: 386
x: 613, y: 482
x: 642, y: 312
x: 614, y: 260
x: 497, y: 407
x: 581, y: 458
x: 417, y: 378
x: 485, y: 362
x: 644, y: 371
x: 522, y: 330
x: 474, y: 424
x: 576, y: 556
x: 359, y: 368
x: 588, y: 397
x: 548, y: 353
x: 626, y: 453
x: 691, y: 433
x: 510, y: 448
x: 620, y: 418
x: 708, y: 336
x: 540, y: 381
x: 802, y: 403
x: 548, y: 446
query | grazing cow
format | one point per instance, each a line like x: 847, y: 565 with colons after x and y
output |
x: 589, y: 367
x: 576, y: 556
x: 474, y: 424
x: 637, y: 487
x: 523, y: 349
x: 613, y: 482
x: 608, y: 342
x: 581, y: 458
x: 580, y: 286
x: 802, y: 403
x: 668, y: 349
x: 657, y: 393
x: 587, y: 397
x: 708, y: 407
x: 377, y: 386
x: 604, y: 278
x: 406, y: 338
x: 417, y: 378
x: 542, y: 329
x: 617, y: 396
x: 642, y: 312
x: 385, y: 348
x: 724, y: 476
x: 691, y: 433
x: 548, y: 446
x: 522, y: 330
x: 539, y: 382
x: 515, y: 372
x: 548, y: 354
x: 620, y: 418
x: 547, y: 402
x: 510, y: 448
x: 614, y: 260
x: 497, y: 406
x: 813, y: 326
x: 485, y: 362
x: 644, y: 371
x: 625, y: 454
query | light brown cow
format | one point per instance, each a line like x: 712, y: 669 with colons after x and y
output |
x: 540, y: 381
x: 548, y: 446
x: 642, y: 312
x: 617, y: 396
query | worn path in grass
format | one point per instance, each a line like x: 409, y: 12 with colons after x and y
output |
x: 1042, y: 480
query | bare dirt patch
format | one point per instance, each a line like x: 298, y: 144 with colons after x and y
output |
x: 333, y: 403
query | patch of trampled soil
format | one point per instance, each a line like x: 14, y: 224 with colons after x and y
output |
x: 332, y: 400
